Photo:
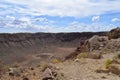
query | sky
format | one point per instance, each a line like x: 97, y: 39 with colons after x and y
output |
x: 58, y: 15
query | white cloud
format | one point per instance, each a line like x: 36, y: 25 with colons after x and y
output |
x: 115, y: 20
x: 75, y: 8
x: 95, y: 18
x: 23, y: 17
x: 72, y: 27
x: 76, y: 27
x: 2, y: 22
x: 82, y: 27
x: 26, y: 23
x: 12, y: 22
x: 41, y: 28
x: 41, y: 19
x: 10, y: 18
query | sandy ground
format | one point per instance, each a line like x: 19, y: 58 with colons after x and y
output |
x: 85, y: 69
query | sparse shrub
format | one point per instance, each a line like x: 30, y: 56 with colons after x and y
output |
x: 3, y: 67
x: 15, y: 65
x: 56, y: 61
x: 60, y: 76
x: 6, y: 68
x: 14, y: 72
x: 43, y: 66
x: 82, y: 55
x: 117, y: 56
x: 107, y: 63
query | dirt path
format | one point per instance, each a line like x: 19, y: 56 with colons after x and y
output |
x: 84, y: 69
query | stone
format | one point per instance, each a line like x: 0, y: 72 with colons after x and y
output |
x: 25, y: 78
x: 47, y: 74
x: 14, y: 72
x: 95, y: 55
x: 115, y: 68
x: 97, y: 42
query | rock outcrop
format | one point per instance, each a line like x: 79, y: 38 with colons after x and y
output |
x: 114, y: 33
x: 99, y: 44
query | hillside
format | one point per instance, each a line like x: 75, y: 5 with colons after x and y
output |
x: 22, y: 45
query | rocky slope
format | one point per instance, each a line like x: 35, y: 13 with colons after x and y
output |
x: 98, y: 45
x: 16, y: 47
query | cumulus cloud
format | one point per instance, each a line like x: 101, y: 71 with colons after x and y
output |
x: 82, y: 27
x: 115, y: 20
x: 27, y: 23
x: 75, y: 8
x: 71, y: 27
x: 22, y: 14
x: 95, y: 18
x: 41, y: 19
x: 10, y: 18
x: 2, y: 23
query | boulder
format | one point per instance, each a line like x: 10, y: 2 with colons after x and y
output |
x: 97, y: 43
x: 95, y: 55
x: 47, y: 74
x: 113, y: 45
x: 25, y: 78
x: 14, y: 72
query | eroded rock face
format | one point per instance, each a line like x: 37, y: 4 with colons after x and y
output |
x: 114, y: 33
x: 93, y: 46
x: 95, y: 43
x: 101, y: 43
x: 110, y: 42
x: 43, y: 39
x: 113, y: 45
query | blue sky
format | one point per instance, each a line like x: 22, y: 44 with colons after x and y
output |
x: 58, y: 15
